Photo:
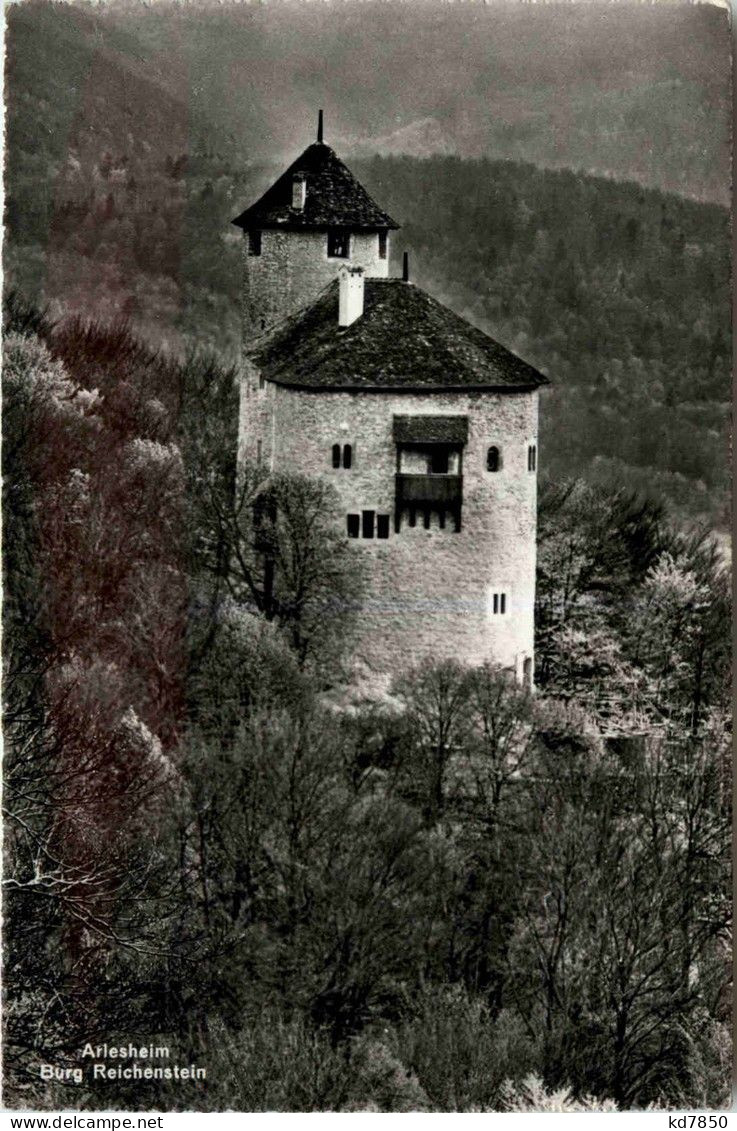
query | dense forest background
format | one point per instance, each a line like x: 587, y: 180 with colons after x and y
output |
x: 129, y: 154
x: 444, y: 894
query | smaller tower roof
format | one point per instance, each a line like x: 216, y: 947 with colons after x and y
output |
x: 334, y: 198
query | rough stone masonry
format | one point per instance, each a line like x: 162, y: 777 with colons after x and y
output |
x: 425, y: 426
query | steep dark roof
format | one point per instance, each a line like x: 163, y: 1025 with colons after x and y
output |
x: 405, y: 339
x: 334, y: 197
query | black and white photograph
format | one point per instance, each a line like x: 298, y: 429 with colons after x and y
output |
x: 366, y: 635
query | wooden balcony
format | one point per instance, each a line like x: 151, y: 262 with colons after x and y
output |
x: 429, y: 490
x: 428, y: 494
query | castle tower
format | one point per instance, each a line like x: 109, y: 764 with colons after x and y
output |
x: 424, y: 425
x: 314, y: 219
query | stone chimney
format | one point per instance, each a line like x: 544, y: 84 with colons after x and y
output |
x: 350, y: 295
x: 299, y: 191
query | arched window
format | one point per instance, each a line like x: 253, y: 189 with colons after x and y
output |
x: 493, y: 459
x: 336, y: 455
x: 347, y: 455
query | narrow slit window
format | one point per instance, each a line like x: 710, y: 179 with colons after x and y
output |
x: 493, y: 459
x: 261, y: 382
x: 347, y: 455
x: 499, y: 604
x: 254, y: 243
x: 368, y: 524
x: 336, y: 455
x: 353, y: 525
x: 532, y: 457
x: 382, y: 526
x: 382, y: 245
x: 259, y: 451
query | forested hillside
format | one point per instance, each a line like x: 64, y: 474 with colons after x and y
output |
x: 619, y: 294
x: 120, y: 192
x: 632, y: 91
x: 444, y: 894
x: 455, y: 897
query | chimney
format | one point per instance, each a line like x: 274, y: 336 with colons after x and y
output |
x: 350, y: 295
x: 299, y: 191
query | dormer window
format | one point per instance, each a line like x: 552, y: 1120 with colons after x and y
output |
x: 338, y: 243
x: 254, y: 242
x: 299, y: 192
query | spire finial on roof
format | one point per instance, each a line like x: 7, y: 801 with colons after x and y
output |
x: 405, y: 267
x: 319, y: 126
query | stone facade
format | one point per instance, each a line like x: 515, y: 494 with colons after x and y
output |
x: 432, y: 590
x: 426, y: 428
x: 293, y: 267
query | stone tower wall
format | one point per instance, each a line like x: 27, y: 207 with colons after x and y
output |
x: 293, y: 268
x: 430, y: 590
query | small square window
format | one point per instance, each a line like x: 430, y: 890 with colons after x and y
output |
x: 382, y: 526
x: 338, y: 243
x: 254, y: 243
x: 353, y: 525
x: 383, y: 241
x: 367, y: 523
